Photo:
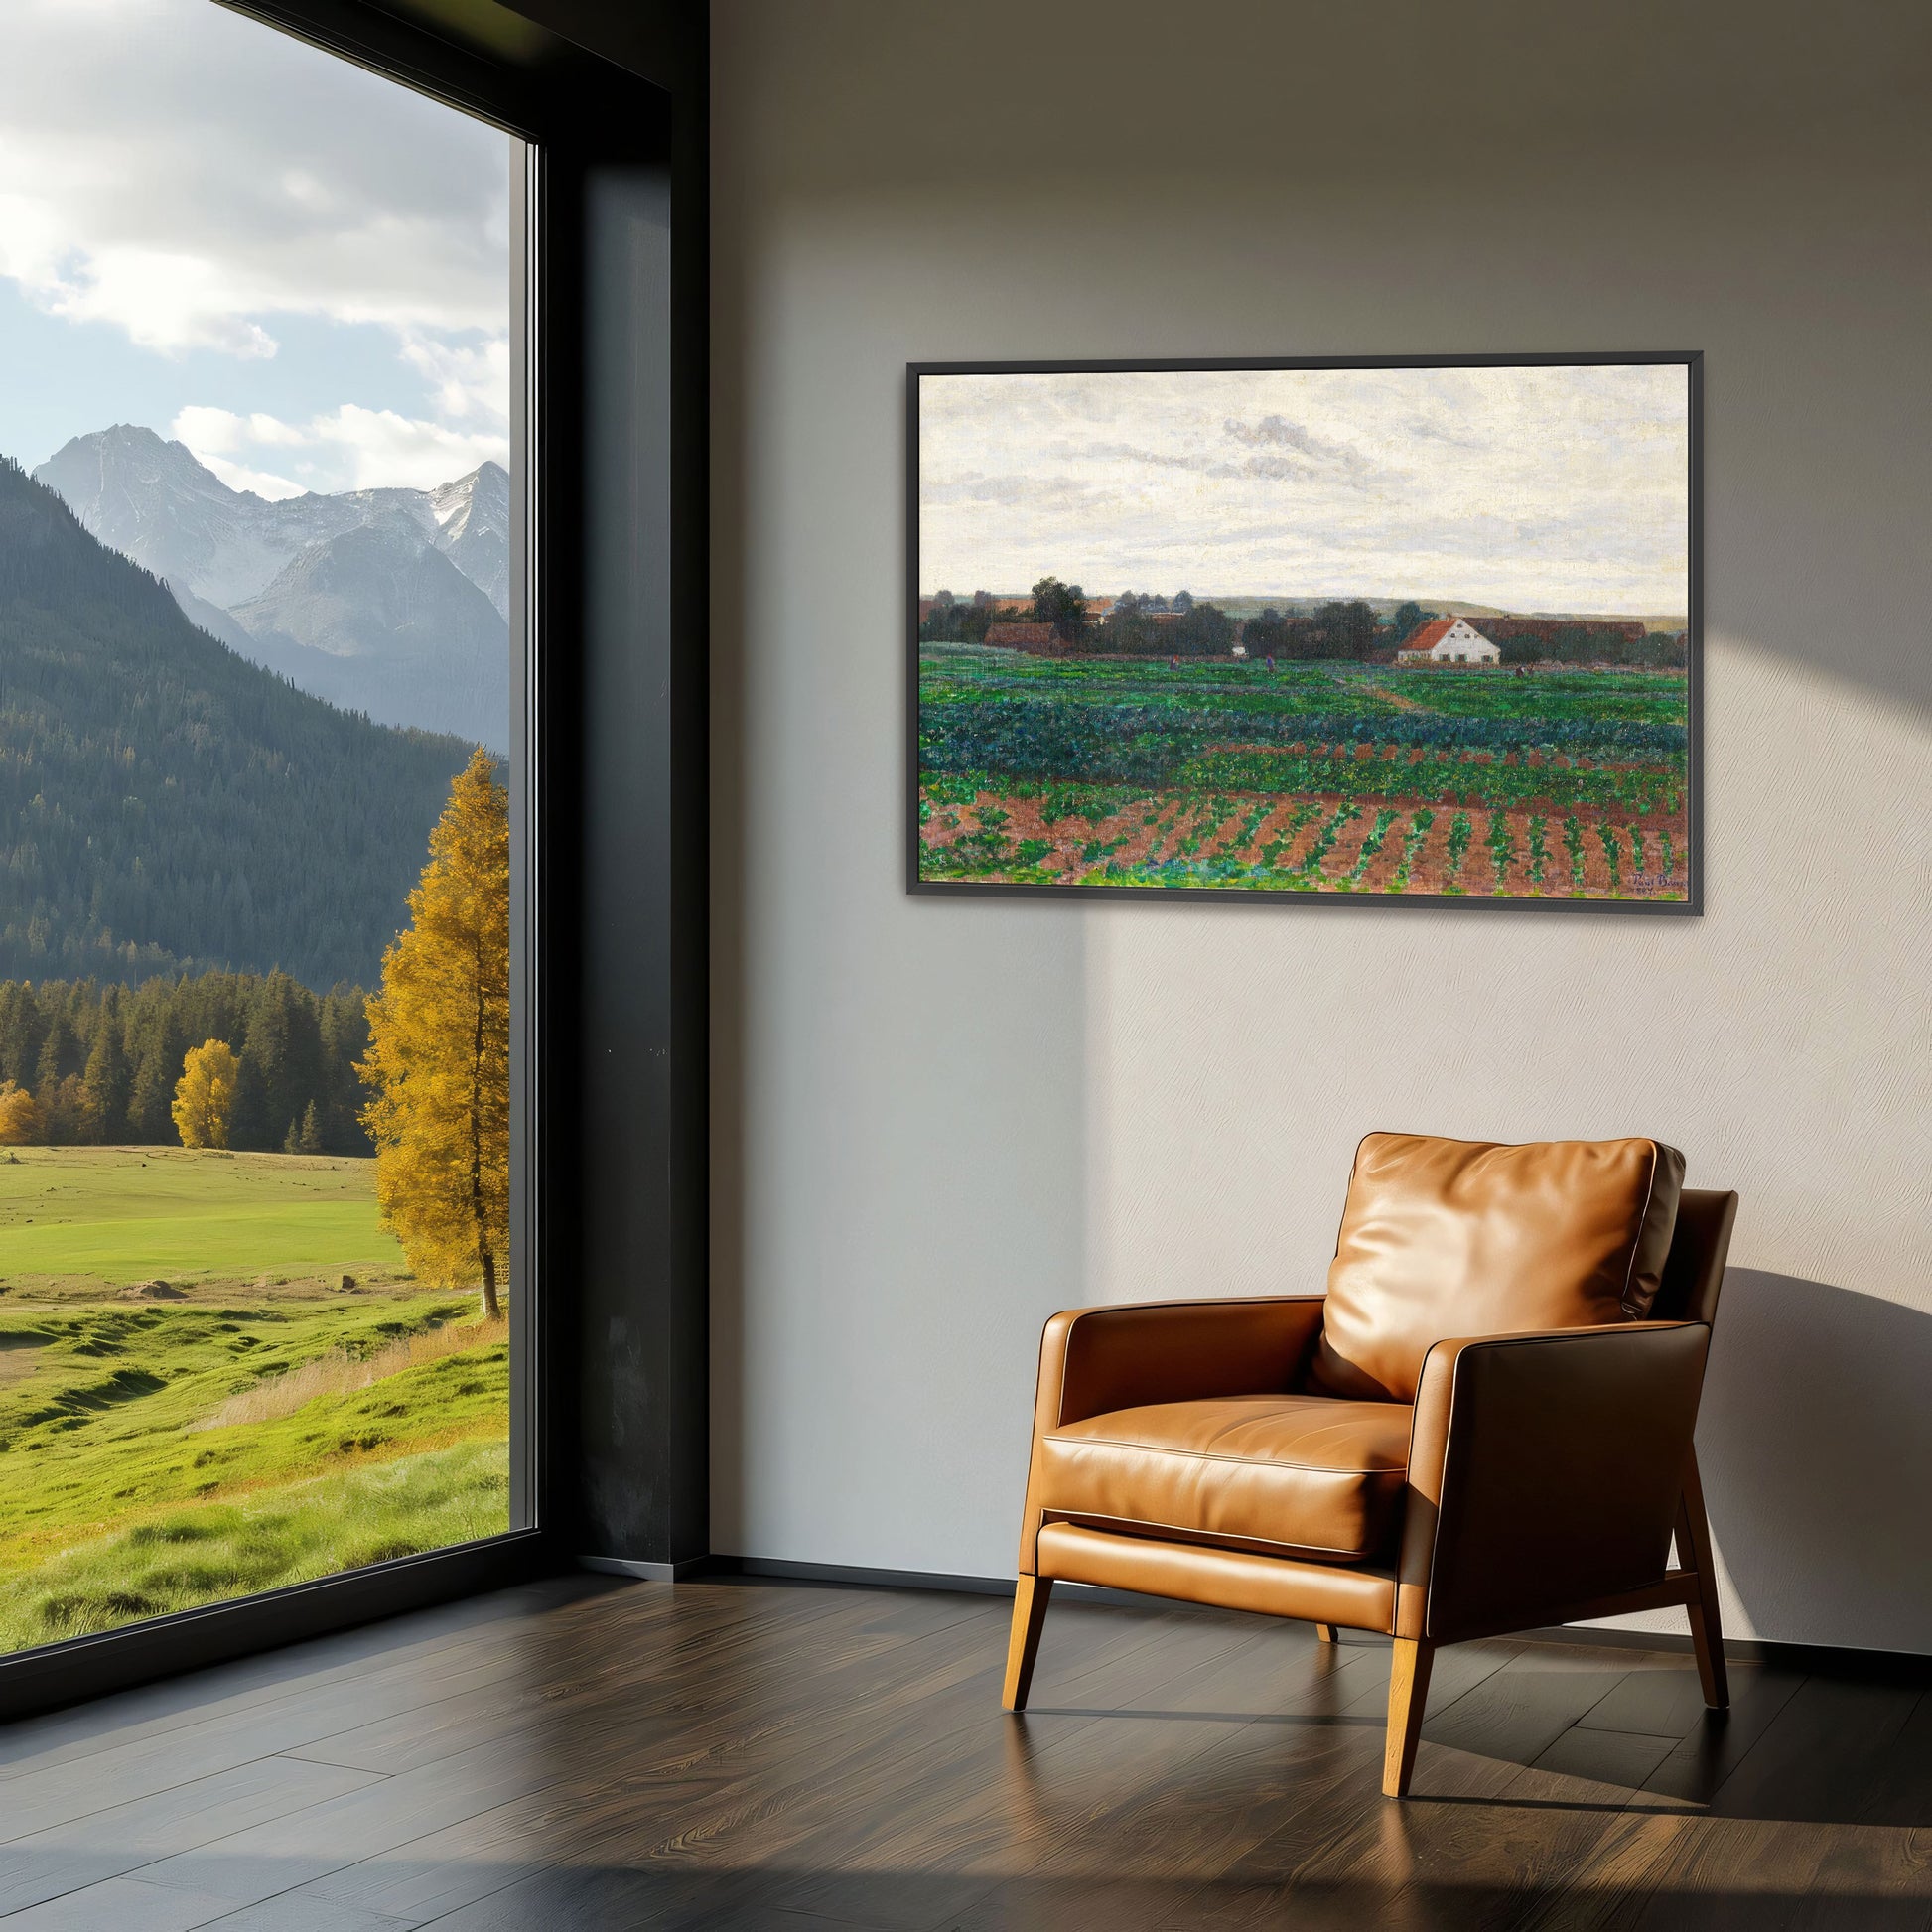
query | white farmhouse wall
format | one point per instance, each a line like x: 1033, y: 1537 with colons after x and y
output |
x: 1460, y: 641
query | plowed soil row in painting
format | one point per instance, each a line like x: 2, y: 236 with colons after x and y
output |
x: 1320, y: 842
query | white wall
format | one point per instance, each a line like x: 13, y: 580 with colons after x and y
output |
x: 938, y: 1121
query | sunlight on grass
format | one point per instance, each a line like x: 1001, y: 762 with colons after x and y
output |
x: 342, y: 1371
x: 266, y: 1540
x: 162, y: 1452
x: 116, y: 1215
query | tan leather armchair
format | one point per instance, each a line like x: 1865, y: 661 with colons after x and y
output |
x: 1483, y: 1426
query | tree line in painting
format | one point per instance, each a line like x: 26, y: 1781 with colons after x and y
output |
x: 1144, y: 625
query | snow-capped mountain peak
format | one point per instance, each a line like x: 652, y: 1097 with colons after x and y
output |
x: 333, y: 590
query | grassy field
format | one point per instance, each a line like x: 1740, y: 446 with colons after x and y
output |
x: 106, y: 1217
x: 263, y: 1425
x: 1307, y: 778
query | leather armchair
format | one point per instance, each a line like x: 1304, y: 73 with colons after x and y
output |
x: 1462, y: 1483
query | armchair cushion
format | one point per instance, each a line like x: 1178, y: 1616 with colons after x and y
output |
x: 1460, y: 1238
x: 1284, y: 1474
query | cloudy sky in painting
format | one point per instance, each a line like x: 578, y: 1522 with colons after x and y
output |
x: 1561, y: 489
x: 297, y: 268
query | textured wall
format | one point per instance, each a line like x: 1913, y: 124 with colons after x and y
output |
x: 936, y: 1122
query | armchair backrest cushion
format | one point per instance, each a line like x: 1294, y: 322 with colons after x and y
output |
x: 1454, y: 1238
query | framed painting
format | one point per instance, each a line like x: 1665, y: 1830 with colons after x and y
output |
x: 1397, y: 631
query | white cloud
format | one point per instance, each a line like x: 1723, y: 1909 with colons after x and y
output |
x: 467, y: 380
x: 224, y: 174
x: 200, y: 181
x: 346, y: 448
x: 386, y: 447
x: 1536, y: 489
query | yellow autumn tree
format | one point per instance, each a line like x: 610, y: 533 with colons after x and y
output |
x: 439, y: 1059
x: 20, y: 1116
x: 205, y: 1094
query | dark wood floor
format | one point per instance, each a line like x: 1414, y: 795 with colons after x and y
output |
x: 581, y: 1754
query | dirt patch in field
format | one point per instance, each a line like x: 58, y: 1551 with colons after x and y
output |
x: 1237, y: 836
x: 1395, y: 698
x: 18, y: 1355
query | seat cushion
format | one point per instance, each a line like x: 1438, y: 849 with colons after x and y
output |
x: 1293, y: 1473
x: 1455, y: 1238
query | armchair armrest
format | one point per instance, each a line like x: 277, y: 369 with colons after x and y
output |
x: 1093, y: 1361
x: 1544, y: 1471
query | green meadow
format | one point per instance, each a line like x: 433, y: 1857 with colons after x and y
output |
x: 291, y: 1403
x: 103, y: 1216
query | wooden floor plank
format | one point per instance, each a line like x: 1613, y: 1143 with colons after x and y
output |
x: 651, y: 1746
x: 496, y: 1848
x: 1818, y: 1759
x: 122, y: 1905
x: 125, y: 1838
x: 757, y: 1756
x: 32, y: 1746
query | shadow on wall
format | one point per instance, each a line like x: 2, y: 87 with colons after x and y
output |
x: 1816, y: 1441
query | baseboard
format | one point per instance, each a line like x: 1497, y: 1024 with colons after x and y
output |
x: 779, y: 1570
x: 1820, y: 1660
x: 143, y: 1653
x: 1812, y: 1659
x: 851, y: 1576
x: 651, y: 1572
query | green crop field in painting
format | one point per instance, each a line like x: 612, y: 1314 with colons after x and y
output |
x: 1311, y: 776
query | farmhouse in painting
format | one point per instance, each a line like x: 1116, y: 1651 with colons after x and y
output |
x: 1041, y: 639
x: 1447, y: 640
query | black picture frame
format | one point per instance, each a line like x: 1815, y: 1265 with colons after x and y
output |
x: 1691, y: 906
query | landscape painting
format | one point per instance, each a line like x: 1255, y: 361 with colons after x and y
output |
x: 1395, y: 631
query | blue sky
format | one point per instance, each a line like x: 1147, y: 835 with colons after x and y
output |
x: 295, y: 267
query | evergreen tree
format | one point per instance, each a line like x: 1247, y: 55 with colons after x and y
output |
x: 106, y: 1086
x: 249, y: 1118
x: 149, y: 1116
x: 344, y: 1024
x: 308, y: 1140
x: 438, y: 1062
x: 61, y: 1051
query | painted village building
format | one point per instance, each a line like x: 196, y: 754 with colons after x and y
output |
x: 1447, y: 640
x: 1041, y: 639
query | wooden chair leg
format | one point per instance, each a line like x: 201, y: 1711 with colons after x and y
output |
x: 1408, y: 1694
x: 1324, y: 1633
x: 1023, y: 1645
x: 1694, y: 1552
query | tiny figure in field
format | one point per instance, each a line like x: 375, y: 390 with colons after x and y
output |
x: 1174, y: 664
x: 1271, y: 665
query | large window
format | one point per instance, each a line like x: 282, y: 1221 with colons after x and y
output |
x: 261, y: 635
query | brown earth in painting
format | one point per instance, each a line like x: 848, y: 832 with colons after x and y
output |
x: 1233, y: 833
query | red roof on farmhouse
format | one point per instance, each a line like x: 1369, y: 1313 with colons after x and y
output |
x: 1427, y: 636
x: 1022, y: 634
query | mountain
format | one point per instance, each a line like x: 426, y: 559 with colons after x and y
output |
x: 219, y: 548
x: 472, y: 519
x: 376, y: 620
x: 166, y: 805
